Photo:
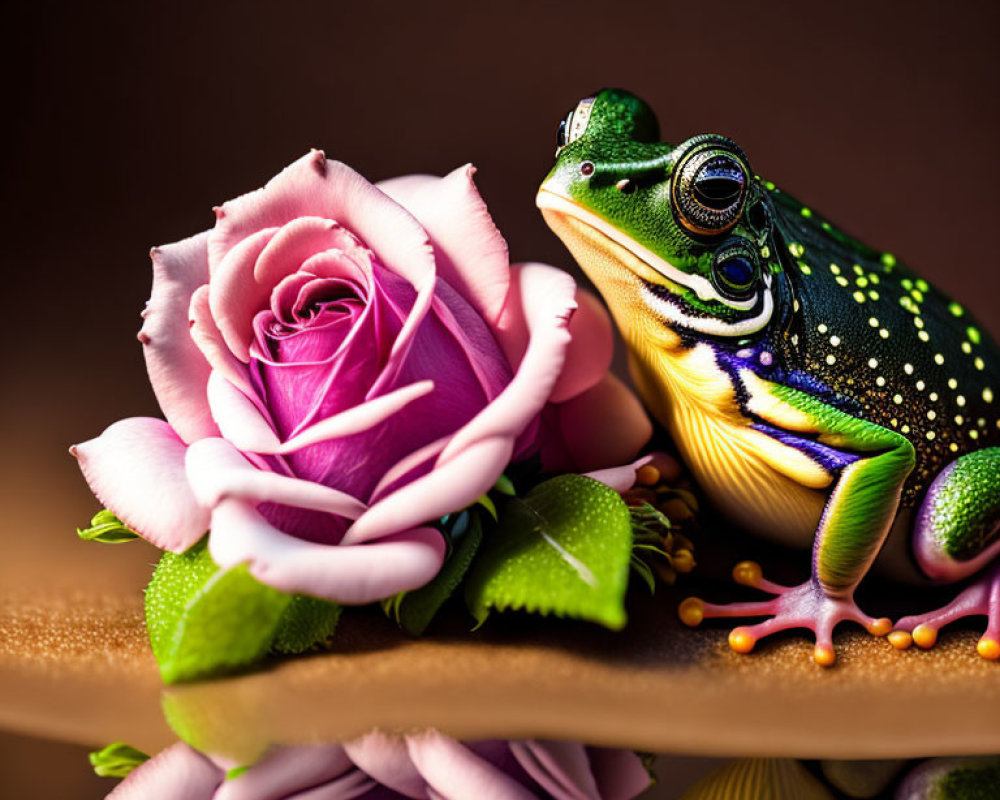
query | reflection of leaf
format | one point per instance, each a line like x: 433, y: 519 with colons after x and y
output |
x: 105, y: 527
x: 204, y: 621
x: 415, y: 610
x: 563, y: 549
x: 116, y: 760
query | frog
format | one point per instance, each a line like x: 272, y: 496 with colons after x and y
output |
x: 820, y: 392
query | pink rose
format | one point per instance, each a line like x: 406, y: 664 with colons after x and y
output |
x: 380, y: 767
x: 339, y: 366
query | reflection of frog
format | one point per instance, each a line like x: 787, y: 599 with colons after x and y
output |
x: 814, y: 386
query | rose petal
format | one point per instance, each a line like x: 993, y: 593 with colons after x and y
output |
x: 295, y: 243
x: 313, y: 186
x: 177, y: 773
x: 621, y: 478
x: 348, y: 575
x: 286, y: 770
x: 471, y: 253
x: 603, y: 426
x: 354, y: 784
x: 387, y: 759
x: 446, y: 488
x: 217, y: 471
x: 561, y: 768
x: 235, y: 297
x: 453, y: 771
x: 546, y: 295
x: 239, y: 419
x: 404, y: 340
x: 136, y: 469
x: 208, y: 339
x: 177, y: 372
x: 590, y: 350
x: 407, y: 464
x: 620, y: 774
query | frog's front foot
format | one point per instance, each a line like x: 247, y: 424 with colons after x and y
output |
x: 804, y: 606
x: 981, y: 597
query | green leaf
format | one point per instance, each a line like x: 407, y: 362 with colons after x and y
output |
x: 415, y: 610
x: 203, y: 621
x: 564, y: 549
x: 307, y: 621
x: 107, y: 528
x: 116, y: 760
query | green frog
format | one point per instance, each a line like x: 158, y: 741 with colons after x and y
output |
x: 818, y: 390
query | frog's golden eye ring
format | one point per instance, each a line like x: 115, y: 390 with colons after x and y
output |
x: 735, y: 269
x: 709, y: 190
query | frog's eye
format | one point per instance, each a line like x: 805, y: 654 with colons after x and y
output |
x: 575, y: 124
x: 709, y: 190
x: 735, y: 269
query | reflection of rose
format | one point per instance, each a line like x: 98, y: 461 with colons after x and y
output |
x: 341, y: 364
x: 379, y: 767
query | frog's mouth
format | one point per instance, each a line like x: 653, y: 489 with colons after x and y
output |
x: 620, y: 266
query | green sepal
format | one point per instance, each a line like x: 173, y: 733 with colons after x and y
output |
x: 505, y: 485
x: 415, y: 610
x: 116, y: 760
x: 105, y: 527
x: 204, y: 621
x: 563, y: 549
x: 235, y: 772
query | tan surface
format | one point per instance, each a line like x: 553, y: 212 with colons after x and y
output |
x: 89, y: 678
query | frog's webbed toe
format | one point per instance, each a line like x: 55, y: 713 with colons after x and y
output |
x: 804, y: 606
x: 980, y: 598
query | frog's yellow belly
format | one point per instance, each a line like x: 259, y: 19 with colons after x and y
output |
x: 762, y: 485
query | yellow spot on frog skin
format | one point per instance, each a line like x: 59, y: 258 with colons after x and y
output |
x: 861, y: 282
x: 930, y: 435
x: 960, y: 400
x: 955, y: 309
x: 933, y: 397
x: 834, y: 269
x: 907, y: 302
x: 888, y: 260
x: 894, y: 422
x: 796, y: 249
x: 873, y: 294
x: 922, y: 285
x: 953, y: 447
x: 906, y: 283
x: 880, y: 381
x: 979, y: 363
x: 805, y: 212
x: 966, y: 348
x: 917, y: 295
x: 835, y: 340
x: 952, y: 383
x: 938, y: 359
x: 905, y: 429
x: 931, y: 414
x: 873, y: 362
x: 981, y: 422
x: 765, y: 252
x: 908, y: 369
x: 831, y: 360
x: 806, y: 269
x: 921, y: 386
x: 842, y: 281
x: 959, y: 419
x: 918, y: 322
x: 897, y: 399
x: 822, y: 328
x: 988, y: 394
x: 873, y: 278
x: 858, y: 296
x: 857, y: 270
x: 873, y: 322
x: 923, y: 336
x: 883, y: 333
x: 769, y: 185
x: 974, y: 335
x: 973, y: 434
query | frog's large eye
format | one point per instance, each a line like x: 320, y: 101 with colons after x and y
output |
x: 575, y: 124
x: 735, y: 269
x: 709, y: 189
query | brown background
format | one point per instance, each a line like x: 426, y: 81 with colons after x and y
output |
x: 127, y: 123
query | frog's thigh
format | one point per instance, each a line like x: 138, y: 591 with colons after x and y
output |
x: 957, y: 530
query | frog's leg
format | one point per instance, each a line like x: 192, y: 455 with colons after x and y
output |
x: 957, y: 533
x: 856, y: 519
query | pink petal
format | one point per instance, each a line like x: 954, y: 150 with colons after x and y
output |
x: 455, y: 772
x: 404, y: 341
x: 561, y: 768
x: 315, y: 187
x: 286, y: 770
x: 590, y: 349
x: 176, y: 369
x: 207, y: 337
x: 295, y: 243
x: 620, y: 774
x: 546, y: 295
x: 354, y: 784
x: 238, y: 417
x: 446, y: 488
x: 605, y: 425
x: 407, y: 464
x: 471, y: 254
x: 235, y: 297
x: 136, y: 469
x: 349, y: 575
x: 217, y: 471
x: 387, y: 759
x: 177, y: 773
x: 621, y: 478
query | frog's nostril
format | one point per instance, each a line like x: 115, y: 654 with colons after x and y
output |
x: 625, y: 186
